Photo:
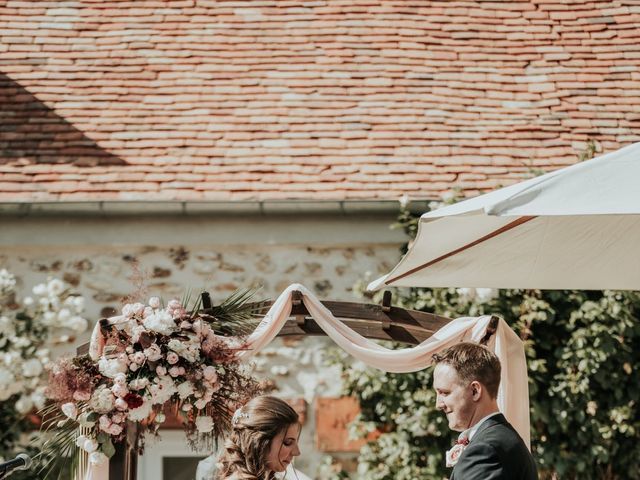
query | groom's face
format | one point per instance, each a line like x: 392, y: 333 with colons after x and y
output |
x: 453, y: 397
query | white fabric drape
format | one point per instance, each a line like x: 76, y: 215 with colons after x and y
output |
x: 513, y: 395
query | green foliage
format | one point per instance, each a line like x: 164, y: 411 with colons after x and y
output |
x: 583, y: 354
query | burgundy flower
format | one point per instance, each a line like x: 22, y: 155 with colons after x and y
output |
x: 133, y: 400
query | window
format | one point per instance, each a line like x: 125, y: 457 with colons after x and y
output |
x: 169, y: 458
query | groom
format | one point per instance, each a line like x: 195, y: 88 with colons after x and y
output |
x: 466, y: 380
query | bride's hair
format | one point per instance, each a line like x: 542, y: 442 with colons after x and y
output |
x: 254, y: 426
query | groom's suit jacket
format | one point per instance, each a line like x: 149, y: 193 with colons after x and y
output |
x: 495, y: 452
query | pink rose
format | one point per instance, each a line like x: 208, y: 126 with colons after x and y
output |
x: 172, y: 358
x: 174, y: 304
x: 105, y: 423
x: 139, y: 358
x: 115, y: 429
x: 210, y: 374
x: 453, y: 455
x: 81, y: 396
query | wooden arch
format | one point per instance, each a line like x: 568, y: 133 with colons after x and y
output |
x: 377, y: 322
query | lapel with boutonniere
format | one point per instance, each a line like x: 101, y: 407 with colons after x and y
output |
x: 453, y: 455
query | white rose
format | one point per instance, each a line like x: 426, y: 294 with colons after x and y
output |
x: 120, y: 379
x: 83, y: 420
x: 139, y: 383
x: 185, y: 389
x: 176, y: 345
x: 153, y: 353
x: 102, y: 400
x: 127, y: 310
x: 142, y: 412
x: 97, y: 458
x: 154, y: 302
x: 112, y: 367
x: 138, y: 309
x: 204, y: 424
x: 162, y: 390
x: 160, y: 322
x: 70, y: 410
x: 80, y: 439
x: 89, y: 445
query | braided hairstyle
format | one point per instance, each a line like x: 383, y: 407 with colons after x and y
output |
x: 255, y: 425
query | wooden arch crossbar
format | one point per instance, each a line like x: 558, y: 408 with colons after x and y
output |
x: 377, y: 322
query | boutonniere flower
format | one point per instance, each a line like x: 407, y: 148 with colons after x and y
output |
x: 453, y: 455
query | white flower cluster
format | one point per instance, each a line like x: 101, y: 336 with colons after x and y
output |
x: 482, y: 295
x: 58, y: 309
x: 7, y: 282
x: 28, y: 330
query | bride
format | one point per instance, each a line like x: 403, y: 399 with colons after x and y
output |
x: 262, y: 444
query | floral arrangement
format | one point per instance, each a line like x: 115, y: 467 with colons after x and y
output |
x: 149, y: 361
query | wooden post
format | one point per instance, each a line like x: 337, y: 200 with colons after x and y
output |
x: 124, y: 463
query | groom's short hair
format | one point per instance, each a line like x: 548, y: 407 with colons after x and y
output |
x: 473, y: 362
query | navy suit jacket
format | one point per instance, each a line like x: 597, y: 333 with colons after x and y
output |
x: 495, y: 452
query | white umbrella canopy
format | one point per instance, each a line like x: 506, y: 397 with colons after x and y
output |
x: 574, y: 228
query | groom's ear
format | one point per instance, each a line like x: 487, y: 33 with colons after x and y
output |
x: 476, y: 389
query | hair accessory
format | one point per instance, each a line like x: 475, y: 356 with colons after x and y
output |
x: 238, y: 415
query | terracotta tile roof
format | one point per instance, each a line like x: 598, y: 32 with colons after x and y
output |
x: 318, y: 99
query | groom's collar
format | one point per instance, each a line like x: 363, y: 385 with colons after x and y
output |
x: 469, y: 433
